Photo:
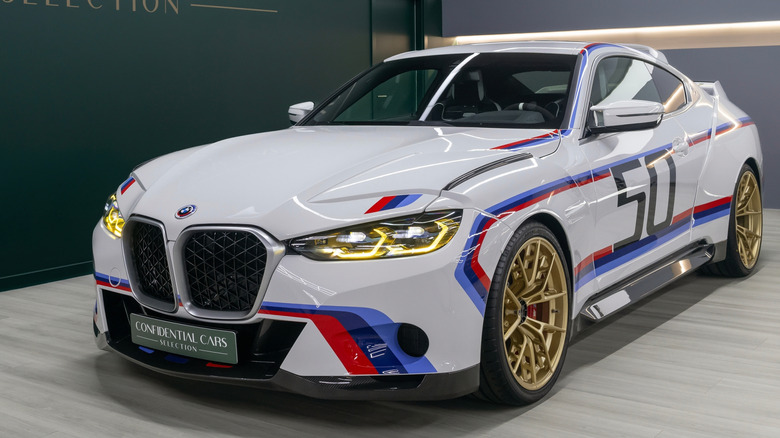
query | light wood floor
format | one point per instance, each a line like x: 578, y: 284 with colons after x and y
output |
x: 699, y: 359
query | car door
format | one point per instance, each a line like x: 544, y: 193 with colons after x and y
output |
x: 636, y: 198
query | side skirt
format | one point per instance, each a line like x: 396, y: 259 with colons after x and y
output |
x: 644, y: 283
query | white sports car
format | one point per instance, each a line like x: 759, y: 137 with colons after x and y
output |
x: 442, y: 225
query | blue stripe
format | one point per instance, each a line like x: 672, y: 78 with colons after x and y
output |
x: 529, y: 195
x: 407, y: 200
x: 127, y: 183
x: 640, y: 247
x: 609, y: 166
x: 104, y: 278
x: 711, y: 214
x: 636, y: 249
x: 176, y: 359
x: 711, y: 211
x: 465, y: 275
x: 582, y: 280
x: 711, y: 217
x: 583, y: 67
x: 393, y: 203
x: 534, y: 142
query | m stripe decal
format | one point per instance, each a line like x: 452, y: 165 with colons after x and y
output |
x: 126, y: 185
x: 475, y: 281
x: 105, y: 280
x: 364, y: 340
x: 391, y: 202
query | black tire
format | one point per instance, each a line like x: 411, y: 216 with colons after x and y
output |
x: 733, y: 265
x: 498, y: 382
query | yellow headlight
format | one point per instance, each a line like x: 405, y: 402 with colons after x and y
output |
x: 399, y: 237
x: 112, y: 217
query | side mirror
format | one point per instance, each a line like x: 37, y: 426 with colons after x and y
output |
x: 625, y: 115
x: 298, y: 111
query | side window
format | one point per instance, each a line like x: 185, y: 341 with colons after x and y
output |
x: 619, y: 79
x: 671, y: 89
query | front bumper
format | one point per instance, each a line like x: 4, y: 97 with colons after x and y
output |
x: 328, y: 329
x: 263, y: 347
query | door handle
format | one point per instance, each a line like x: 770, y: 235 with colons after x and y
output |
x: 680, y: 146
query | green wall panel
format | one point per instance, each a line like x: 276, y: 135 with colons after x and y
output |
x: 88, y: 89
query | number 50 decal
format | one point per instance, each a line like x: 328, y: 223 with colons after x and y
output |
x: 640, y: 198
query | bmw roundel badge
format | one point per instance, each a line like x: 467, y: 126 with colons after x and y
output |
x: 185, y: 211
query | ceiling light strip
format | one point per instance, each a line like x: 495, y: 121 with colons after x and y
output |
x: 694, y: 36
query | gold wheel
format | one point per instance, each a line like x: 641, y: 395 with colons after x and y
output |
x: 748, y: 220
x: 535, y: 313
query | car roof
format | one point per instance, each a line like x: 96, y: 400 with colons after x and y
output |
x: 560, y: 47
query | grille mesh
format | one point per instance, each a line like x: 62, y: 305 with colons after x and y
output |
x: 224, y: 269
x: 150, y: 261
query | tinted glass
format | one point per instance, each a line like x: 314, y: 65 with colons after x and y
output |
x: 618, y: 79
x: 630, y: 79
x: 391, y: 93
x: 493, y: 89
x: 508, y: 90
x: 670, y: 89
x: 396, y: 99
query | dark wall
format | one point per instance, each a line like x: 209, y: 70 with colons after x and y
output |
x: 90, y: 88
x: 468, y: 17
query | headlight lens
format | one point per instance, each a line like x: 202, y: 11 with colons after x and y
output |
x: 112, y: 217
x: 399, y: 237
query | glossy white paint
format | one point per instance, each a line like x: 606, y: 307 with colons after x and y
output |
x: 308, y: 179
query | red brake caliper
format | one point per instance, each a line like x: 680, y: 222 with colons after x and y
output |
x: 532, y: 311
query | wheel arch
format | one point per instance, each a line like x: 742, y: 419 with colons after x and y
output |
x: 751, y: 161
x: 554, y: 224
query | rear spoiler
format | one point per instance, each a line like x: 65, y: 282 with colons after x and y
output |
x: 714, y: 89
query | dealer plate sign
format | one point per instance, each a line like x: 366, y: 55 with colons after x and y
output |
x: 185, y: 340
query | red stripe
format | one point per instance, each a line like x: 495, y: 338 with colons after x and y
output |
x: 124, y: 189
x: 516, y: 143
x: 339, y: 339
x: 593, y: 179
x: 747, y: 124
x: 585, y: 262
x: 712, y: 204
x: 380, y: 204
x: 103, y: 283
x: 682, y: 215
x: 705, y: 138
x: 602, y: 252
x: 600, y: 177
x: 562, y: 189
x: 608, y: 250
x: 475, y: 266
x: 592, y: 258
x: 218, y: 365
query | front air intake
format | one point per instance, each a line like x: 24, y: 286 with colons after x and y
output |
x: 224, y: 269
x: 149, y: 263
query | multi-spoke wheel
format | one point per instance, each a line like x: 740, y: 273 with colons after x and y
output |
x: 745, y: 228
x: 526, y: 328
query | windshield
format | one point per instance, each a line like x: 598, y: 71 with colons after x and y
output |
x: 521, y: 90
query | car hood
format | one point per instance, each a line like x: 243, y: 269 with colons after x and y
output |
x: 308, y: 179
